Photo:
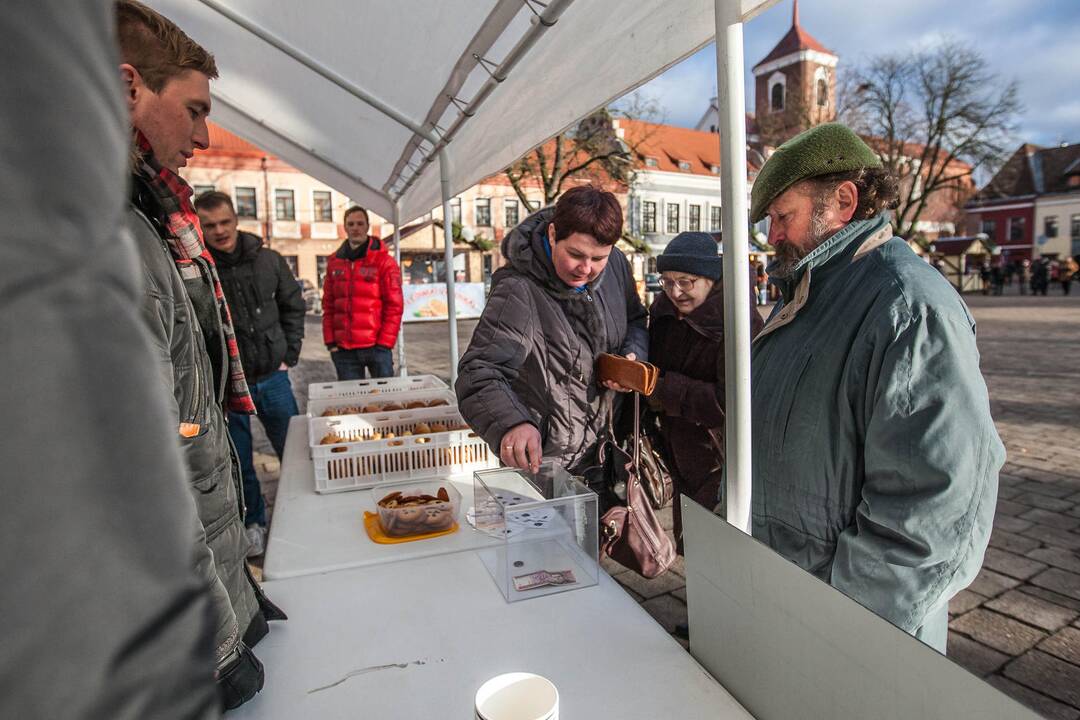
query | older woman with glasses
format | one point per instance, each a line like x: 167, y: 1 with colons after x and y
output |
x: 686, y: 341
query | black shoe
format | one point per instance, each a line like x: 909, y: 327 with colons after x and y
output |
x: 682, y: 630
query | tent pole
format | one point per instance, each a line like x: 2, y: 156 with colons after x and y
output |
x: 448, y: 242
x: 732, y: 107
x: 402, y: 368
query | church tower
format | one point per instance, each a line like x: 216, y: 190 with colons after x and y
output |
x: 795, y: 85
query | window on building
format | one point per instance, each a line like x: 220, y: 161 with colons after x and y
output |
x: 822, y: 93
x: 200, y: 189
x: 510, y: 213
x: 648, y: 217
x: 1016, y: 229
x: 1074, y: 227
x: 455, y: 210
x: 483, y: 212
x: 715, y: 221
x: 652, y: 162
x: 693, y: 218
x: 684, y: 165
x: 776, y: 96
x: 293, y: 263
x: 672, y: 218
x: 1050, y: 226
x: 988, y: 228
x: 246, y: 205
x: 284, y: 205
x: 324, y: 207
x: 714, y: 169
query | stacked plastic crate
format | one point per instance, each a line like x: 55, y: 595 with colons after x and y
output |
x: 367, y: 432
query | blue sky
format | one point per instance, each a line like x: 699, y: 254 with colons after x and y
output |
x: 1037, y: 42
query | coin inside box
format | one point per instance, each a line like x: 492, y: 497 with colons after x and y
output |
x: 547, y: 524
x: 416, y: 508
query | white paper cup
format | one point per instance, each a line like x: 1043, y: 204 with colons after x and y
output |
x: 517, y: 696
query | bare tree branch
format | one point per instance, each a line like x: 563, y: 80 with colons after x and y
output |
x: 929, y: 113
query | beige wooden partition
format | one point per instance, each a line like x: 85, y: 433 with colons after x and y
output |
x: 787, y: 645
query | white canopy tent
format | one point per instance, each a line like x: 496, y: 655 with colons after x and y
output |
x: 402, y: 103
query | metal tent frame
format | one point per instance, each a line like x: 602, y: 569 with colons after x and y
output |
x: 434, y: 144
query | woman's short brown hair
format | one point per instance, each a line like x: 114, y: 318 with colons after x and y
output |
x: 156, y: 47
x: 589, y: 210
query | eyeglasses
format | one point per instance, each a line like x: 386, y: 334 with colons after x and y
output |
x: 684, y: 284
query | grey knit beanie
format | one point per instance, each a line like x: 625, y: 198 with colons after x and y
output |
x: 691, y: 252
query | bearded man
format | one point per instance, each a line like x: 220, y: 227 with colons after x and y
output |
x: 875, y: 459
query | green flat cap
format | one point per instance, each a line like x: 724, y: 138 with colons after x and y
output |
x: 822, y: 150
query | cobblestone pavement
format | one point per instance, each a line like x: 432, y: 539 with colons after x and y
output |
x: 1018, y: 624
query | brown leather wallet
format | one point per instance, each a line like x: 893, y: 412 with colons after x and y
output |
x: 633, y: 374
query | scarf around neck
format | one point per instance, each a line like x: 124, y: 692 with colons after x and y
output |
x: 186, y: 243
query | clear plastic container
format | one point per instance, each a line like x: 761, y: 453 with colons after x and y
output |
x: 416, y: 519
x: 548, y: 526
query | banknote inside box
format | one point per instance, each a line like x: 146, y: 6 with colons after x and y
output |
x: 547, y: 523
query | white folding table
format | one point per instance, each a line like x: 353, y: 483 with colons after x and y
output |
x: 312, y: 533
x: 415, y: 639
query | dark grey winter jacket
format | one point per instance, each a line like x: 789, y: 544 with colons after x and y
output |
x: 533, y: 355
x: 187, y: 370
x: 103, y: 615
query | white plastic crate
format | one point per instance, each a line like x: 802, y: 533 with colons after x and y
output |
x: 361, y: 462
x: 317, y: 407
x: 373, y: 386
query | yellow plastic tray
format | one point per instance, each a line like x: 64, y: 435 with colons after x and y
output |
x: 375, y: 532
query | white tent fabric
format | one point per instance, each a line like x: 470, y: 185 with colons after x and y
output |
x: 404, y: 52
x: 401, y: 103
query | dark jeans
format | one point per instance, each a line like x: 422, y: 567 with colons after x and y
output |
x: 275, y: 404
x: 350, y: 364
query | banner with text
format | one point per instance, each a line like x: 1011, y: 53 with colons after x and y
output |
x: 428, y: 302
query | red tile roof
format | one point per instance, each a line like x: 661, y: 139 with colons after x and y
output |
x: 670, y: 145
x: 796, y: 40
x: 230, y: 150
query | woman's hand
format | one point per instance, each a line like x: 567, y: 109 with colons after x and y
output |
x: 612, y: 385
x: 520, y: 447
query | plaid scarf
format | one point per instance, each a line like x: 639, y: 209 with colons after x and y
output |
x: 186, y: 242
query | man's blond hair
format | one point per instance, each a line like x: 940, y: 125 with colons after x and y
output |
x: 156, y: 47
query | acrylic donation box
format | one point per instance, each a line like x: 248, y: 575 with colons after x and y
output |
x: 548, y: 526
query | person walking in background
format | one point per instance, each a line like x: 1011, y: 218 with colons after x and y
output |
x: 686, y: 341
x: 528, y: 383
x: 268, y: 314
x: 1067, y: 274
x: 997, y: 280
x: 875, y: 458
x: 1040, y: 277
x: 362, y: 303
x: 1023, y: 276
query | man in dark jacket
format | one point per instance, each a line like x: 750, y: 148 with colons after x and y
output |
x: 527, y: 384
x: 362, y: 303
x: 268, y: 313
x: 166, y: 78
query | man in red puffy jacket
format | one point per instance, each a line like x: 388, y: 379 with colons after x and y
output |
x: 362, y: 303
